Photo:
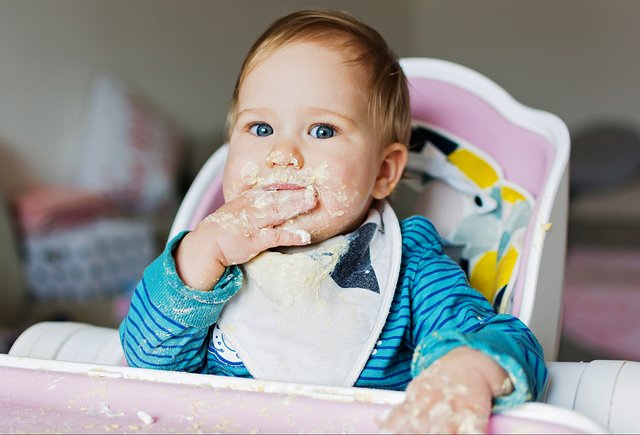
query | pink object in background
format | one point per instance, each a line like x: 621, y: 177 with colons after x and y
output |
x: 44, y: 208
x: 602, y: 299
x: 131, y: 149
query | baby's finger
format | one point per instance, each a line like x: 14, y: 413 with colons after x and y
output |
x: 272, y: 237
x: 271, y: 208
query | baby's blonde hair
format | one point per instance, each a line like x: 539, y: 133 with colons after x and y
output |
x: 387, y: 87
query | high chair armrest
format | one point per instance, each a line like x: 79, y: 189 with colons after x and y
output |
x: 605, y: 391
x: 70, y: 341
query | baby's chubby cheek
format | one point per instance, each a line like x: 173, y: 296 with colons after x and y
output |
x: 338, y: 197
x: 235, y: 184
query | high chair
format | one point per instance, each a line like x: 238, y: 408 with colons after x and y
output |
x: 530, y: 149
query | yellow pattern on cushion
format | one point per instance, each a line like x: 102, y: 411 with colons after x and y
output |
x: 511, y: 195
x: 483, y: 274
x: 474, y: 167
x: 505, y: 267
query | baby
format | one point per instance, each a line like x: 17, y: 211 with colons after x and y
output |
x: 305, y: 274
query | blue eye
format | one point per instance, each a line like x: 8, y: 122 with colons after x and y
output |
x: 322, y: 132
x: 261, y: 130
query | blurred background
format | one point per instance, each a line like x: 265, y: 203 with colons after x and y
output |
x: 131, y: 97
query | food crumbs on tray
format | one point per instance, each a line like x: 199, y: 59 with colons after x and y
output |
x: 146, y: 418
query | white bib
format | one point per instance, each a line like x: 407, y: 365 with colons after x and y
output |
x: 313, y: 314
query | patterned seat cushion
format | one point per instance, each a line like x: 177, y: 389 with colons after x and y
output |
x: 481, y: 216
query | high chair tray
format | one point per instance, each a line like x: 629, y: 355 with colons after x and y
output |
x: 38, y: 395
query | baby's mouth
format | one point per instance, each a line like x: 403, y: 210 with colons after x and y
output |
x: 283, y: 186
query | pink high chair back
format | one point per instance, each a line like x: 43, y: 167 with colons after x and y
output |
x: 531, y: 146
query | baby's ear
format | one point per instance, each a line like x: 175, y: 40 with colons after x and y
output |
x: 395, y: 157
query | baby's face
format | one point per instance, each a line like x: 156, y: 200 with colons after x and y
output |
x: 302, y: 121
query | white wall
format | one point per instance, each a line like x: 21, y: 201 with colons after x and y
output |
x: 577, y: 58
x: 184, y: 55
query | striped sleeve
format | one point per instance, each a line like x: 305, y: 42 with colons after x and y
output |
x: 167, y: 326
x: 448, y: 313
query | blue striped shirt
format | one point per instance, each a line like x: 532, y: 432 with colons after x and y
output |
x: 434, y: 310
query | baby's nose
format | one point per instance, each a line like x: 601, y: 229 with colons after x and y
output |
x: 284, y: 159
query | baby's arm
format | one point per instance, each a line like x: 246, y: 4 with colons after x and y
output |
x: 168, y: 323
x: 184, y: 290
x: 460, y: 340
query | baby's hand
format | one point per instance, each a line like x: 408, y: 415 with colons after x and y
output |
x: 454, y: 395
x: 239, y: 230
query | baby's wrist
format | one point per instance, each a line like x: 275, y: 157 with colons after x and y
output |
x: 196, y: 267
x: 497, y: 379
